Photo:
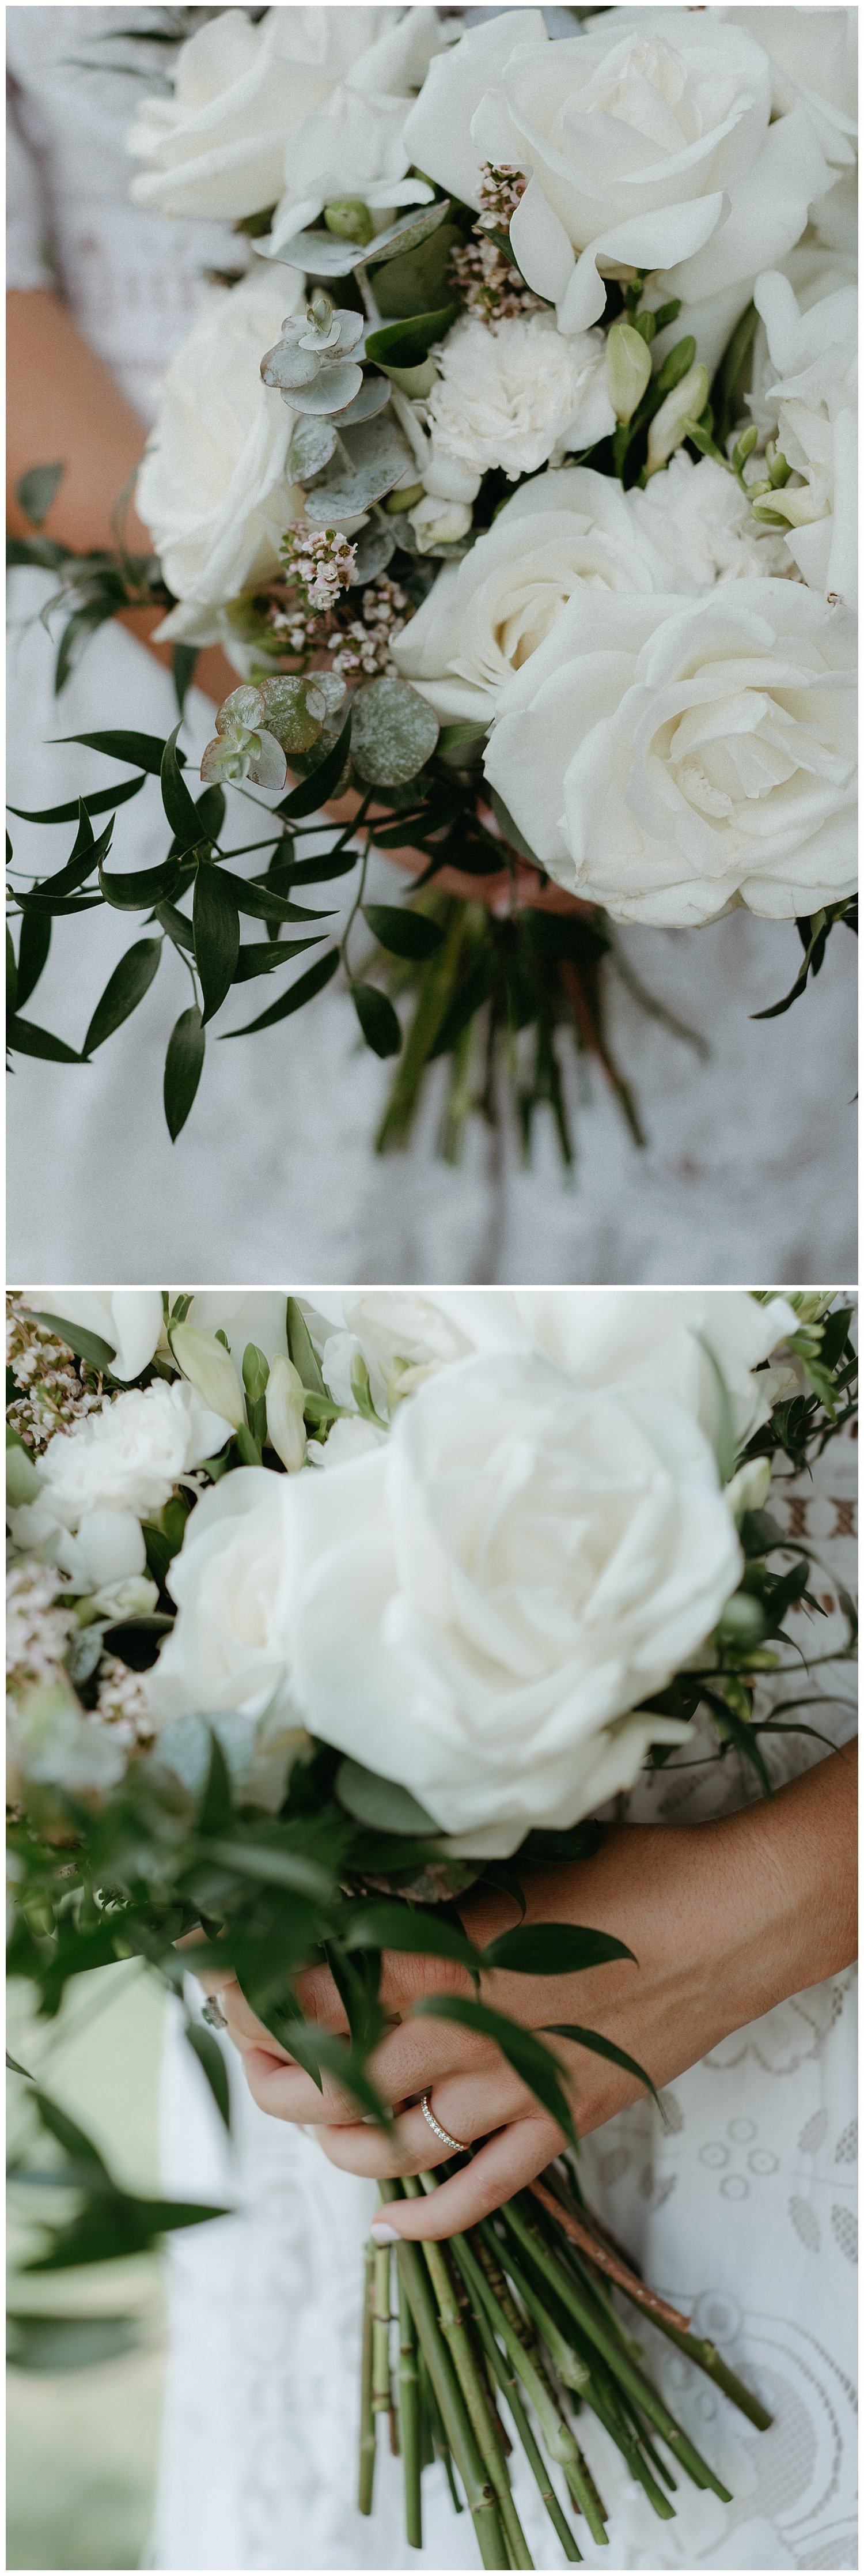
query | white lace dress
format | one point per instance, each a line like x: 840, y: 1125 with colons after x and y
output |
x: 748, y: 1170
x: 742, y: 2209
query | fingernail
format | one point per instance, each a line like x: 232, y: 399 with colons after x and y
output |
x: 383, y: 2233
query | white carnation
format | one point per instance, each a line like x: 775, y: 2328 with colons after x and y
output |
x: 129, y: 1457
x: 517, y: 394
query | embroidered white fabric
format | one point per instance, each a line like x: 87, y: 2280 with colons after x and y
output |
x: 747, y: 1173
x: 741, y: 2208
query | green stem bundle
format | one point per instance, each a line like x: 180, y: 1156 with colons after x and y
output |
x: 518, y: 2313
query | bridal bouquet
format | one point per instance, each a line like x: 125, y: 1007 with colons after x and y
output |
x: 513, y: 467
x: 315, y: 1621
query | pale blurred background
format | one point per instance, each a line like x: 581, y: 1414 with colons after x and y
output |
x: 82, y: 2444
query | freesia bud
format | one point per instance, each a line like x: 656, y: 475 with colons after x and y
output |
x: 628, y: 369
x: 286, y: 1429
x: 748, y: 1490
x: 669, y: 425
x: 210, y: 1369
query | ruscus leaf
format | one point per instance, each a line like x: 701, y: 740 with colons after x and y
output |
x: 183, y: 1066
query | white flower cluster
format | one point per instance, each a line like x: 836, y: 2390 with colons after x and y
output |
x: 475, y: 1600
x: 320, y: 563
x: 668, y: 761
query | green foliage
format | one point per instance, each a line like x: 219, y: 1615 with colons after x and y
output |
x: 184, y: 1064
x: 37, y: 489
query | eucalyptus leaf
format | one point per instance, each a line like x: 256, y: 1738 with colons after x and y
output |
x: 394, y: 732
x: 379, y: 454
x: 36, y: 490
x: 374, y: 547
x: 312, y: 446
x: 383, y: 1804
x: 374, y: 394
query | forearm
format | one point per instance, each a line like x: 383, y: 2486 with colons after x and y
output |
x: 63, y: 407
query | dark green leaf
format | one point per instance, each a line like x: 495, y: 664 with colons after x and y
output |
x: 34, y: 941
x: 97, y: 804
x: 183, y: 660
x: 210, y: 809
x: 321, y: 782
x: 552, y: 1950
x: 178, y: 927
x: 86, y: 855
x: 216, y: 1809
x: 291, y: 872
x: 258, y: 899
x: 141, y: 750
x: 137, y: 1641
x: 273, y: 1867
x: 13, y: 2068
x: 603, y: 2048
x: 25, y: 1038
x: 86, y: 1346
x: 180, y: 807
x: 36, y: 490
x: 378, y: 1020
x: 75, y: 635
x: 11, y: 972
x: 73, y: 2140
x: 123, y: 991
x: 410, y: 1929
x: 407, y: 343
x: 142, y: 888
x: 303, y: 991
x: 417, y: 280
x: 110, y: 2228
x: 527, y: 2055
x: 183, y: 1067
x: 217, y: 936
x: 212, y: 2063
x: 265, y: 954
x: 403, y: 933
x: 44, y: 2343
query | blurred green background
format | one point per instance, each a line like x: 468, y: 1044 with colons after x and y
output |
x: 82, y: 2444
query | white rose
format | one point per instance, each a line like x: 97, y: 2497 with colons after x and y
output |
x: 657, y: 1337
x: 51, y: 1740
x: 649, y: 146
x: 813, y: 57
x: 810, y: 396
x: 668, y: 758
x: 475, y: 1609
x: 213, y: 488
x: 308, y: 104
x: 227, y: 1649
x: 516, y: 394
x: 485, y: 617
x: 129, y: 1457
x: 128, y: 1319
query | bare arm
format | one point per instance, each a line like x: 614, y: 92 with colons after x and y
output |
x: 64, y: 406
x: 725, y: 1920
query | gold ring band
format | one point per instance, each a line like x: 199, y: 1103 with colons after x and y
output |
x: 457, y: 2144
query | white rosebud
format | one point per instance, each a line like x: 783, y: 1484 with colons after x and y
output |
x: 628, y: 368
x: 439, y: 523
x: 110, y: 1548
x: 748, y: 1491
x: 210, y: 1369
x: 286, y: 1430
x: 669, y: 424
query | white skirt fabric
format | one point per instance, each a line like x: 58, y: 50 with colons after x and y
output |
x: 747, y: 1174
x: 740, y: 2205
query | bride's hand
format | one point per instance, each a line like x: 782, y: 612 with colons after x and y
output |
x: 724, y: 1920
